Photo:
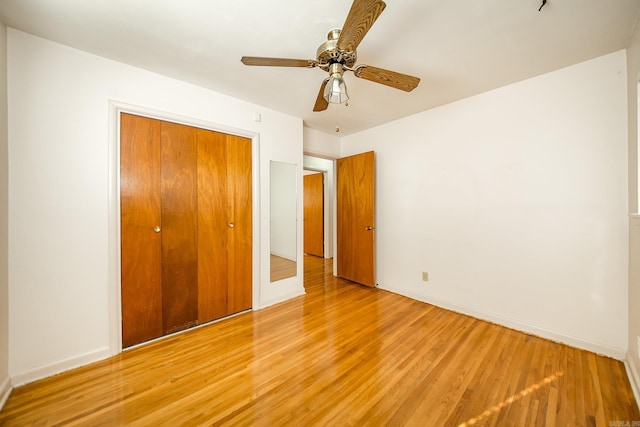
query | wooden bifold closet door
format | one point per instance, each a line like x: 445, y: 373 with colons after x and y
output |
x: 185, y: 202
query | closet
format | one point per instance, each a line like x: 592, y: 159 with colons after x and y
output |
x: 185, y: 204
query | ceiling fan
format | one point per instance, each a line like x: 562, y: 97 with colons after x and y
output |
x: 338, y: 54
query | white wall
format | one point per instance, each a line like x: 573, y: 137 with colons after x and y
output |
x: 63, y: 192
x: 515, y: 203
x: 5, y: 383
x: 633, y: 75
x: 321, y: 144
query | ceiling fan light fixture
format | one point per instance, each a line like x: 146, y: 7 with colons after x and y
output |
x: 335, y: 92
x: 338, y: 54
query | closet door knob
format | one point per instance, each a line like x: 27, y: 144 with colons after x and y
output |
x: 231, y: 225
x: 157, y: 229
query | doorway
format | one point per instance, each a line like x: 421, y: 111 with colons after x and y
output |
x: 354, y: 264
x: 313, y: 213
x: 327, y: 168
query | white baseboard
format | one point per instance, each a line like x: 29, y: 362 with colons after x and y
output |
x: 281, y: 298
x: 58, y: 367
x: 285, y: 256
x: 598, y: 348
x: 5, y: 391
x: 634, y: 379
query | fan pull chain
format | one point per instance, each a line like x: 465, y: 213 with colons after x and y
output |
x: 346, y: 104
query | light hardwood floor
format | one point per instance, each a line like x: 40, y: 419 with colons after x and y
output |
x: 281, y: 268
x: 343, y: 354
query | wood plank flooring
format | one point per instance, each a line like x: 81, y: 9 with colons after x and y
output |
x: 341, y: 355
x: 281, y: 268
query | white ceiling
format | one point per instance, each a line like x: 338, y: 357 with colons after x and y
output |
x: 457, y: 47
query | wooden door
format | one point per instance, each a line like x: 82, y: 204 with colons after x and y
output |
x: 240, y: 220
x: 186, y: 224
x: 141, y: 267
x: 355, y: 194
x: 224, y: 225
x: 314, y: 214
x: 213, y: 241
x: 179, y: 227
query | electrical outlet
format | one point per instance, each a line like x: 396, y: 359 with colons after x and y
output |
x: 425, y: 277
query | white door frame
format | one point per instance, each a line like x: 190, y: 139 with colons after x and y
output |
x: 114, y: 263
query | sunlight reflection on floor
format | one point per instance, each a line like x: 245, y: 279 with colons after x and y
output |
x: 510, y: 400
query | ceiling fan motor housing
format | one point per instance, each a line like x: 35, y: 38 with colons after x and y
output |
x: 338, y: 54
x: 329, y: 53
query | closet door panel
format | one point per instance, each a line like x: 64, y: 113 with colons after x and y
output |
x: 141, y: 281
x: 213, y: 225
x: 186, y: 197
x: 179, y: 227
x: 240, y: 212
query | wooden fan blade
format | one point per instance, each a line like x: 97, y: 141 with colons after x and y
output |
x: 278, y: 62
x: 386, y: 77
x: 321, y: 103
x: 360, y: 19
